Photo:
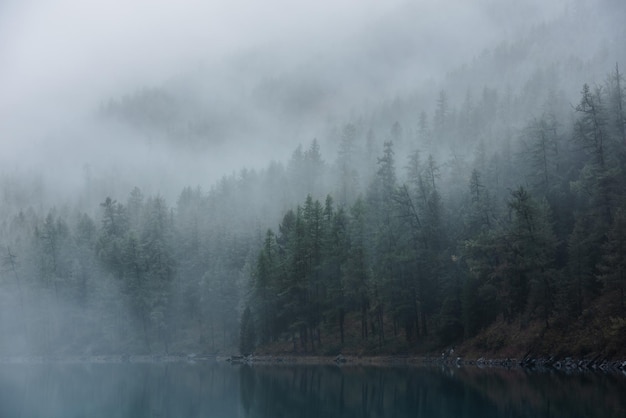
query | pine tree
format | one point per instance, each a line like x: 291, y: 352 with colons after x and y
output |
x: 348, y: 177
x: 530, y: 251
x: 541, y: 142
x: 357, y: 271
x: 612, y: 267
x: 334, y: 256
x: 266, y: 290
x: 247, y: 338
x: 386, y: 281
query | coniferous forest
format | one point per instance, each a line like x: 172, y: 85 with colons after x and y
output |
x: 482, y: 215
x: 408, y: 264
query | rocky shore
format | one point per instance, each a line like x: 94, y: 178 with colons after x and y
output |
x: 548, y: 363
x: 567, y: 364
x: 571, y: 364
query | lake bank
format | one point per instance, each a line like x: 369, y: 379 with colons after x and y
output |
x: 531, y: 363
x: 104, y: 359
x: 567, y: 364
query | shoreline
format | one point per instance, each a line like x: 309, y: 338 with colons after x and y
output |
x: 567, y: 364
x: 106, y: 359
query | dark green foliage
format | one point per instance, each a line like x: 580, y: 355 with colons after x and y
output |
x: 247, y: 337
x: 450, y: 325
x: 404, y: 263
x: 612, y: 267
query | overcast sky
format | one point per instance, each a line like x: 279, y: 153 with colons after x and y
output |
x: 58, y: 53
x: 60, y: 58
x: 49, y: 46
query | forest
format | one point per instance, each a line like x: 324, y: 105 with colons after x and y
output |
x: 436, y: 267
x: 484, y: 214
x: 425, y: 253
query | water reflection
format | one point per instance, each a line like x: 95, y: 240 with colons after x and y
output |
x: 427, y: 392
x: 118, y: 390
x: 220, y: 390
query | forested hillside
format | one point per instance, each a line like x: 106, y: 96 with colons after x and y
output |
x: 486, y: 211
x: 530, y: 233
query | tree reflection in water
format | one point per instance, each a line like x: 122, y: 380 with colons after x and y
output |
x: 428, y: 392
x: 209, y: 389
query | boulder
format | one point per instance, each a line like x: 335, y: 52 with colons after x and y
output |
x: 340, y: 359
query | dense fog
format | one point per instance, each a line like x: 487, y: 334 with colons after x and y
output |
x: 146, y: 148
x: 221, y: 79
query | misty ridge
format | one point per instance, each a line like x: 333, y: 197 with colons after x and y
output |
x: 416, y: 177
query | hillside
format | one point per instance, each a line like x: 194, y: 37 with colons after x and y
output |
x: 481, y: 206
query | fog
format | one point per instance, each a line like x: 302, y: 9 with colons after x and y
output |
x: 202, y: 107
x: 267, y: 76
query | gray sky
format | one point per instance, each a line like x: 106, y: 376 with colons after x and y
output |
x: 61, y: 58
x: 58, y: 54
x: 53, y: 47
x: 50, y: 45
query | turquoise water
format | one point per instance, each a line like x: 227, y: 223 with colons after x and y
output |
x: 207, y: 389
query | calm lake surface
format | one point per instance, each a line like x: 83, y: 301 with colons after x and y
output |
x: 208, y: 389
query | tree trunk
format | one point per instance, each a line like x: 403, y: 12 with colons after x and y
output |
x: 312, y: 336
x: 341, y: 319
x: 364, y: 321
x: 381, y: 332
